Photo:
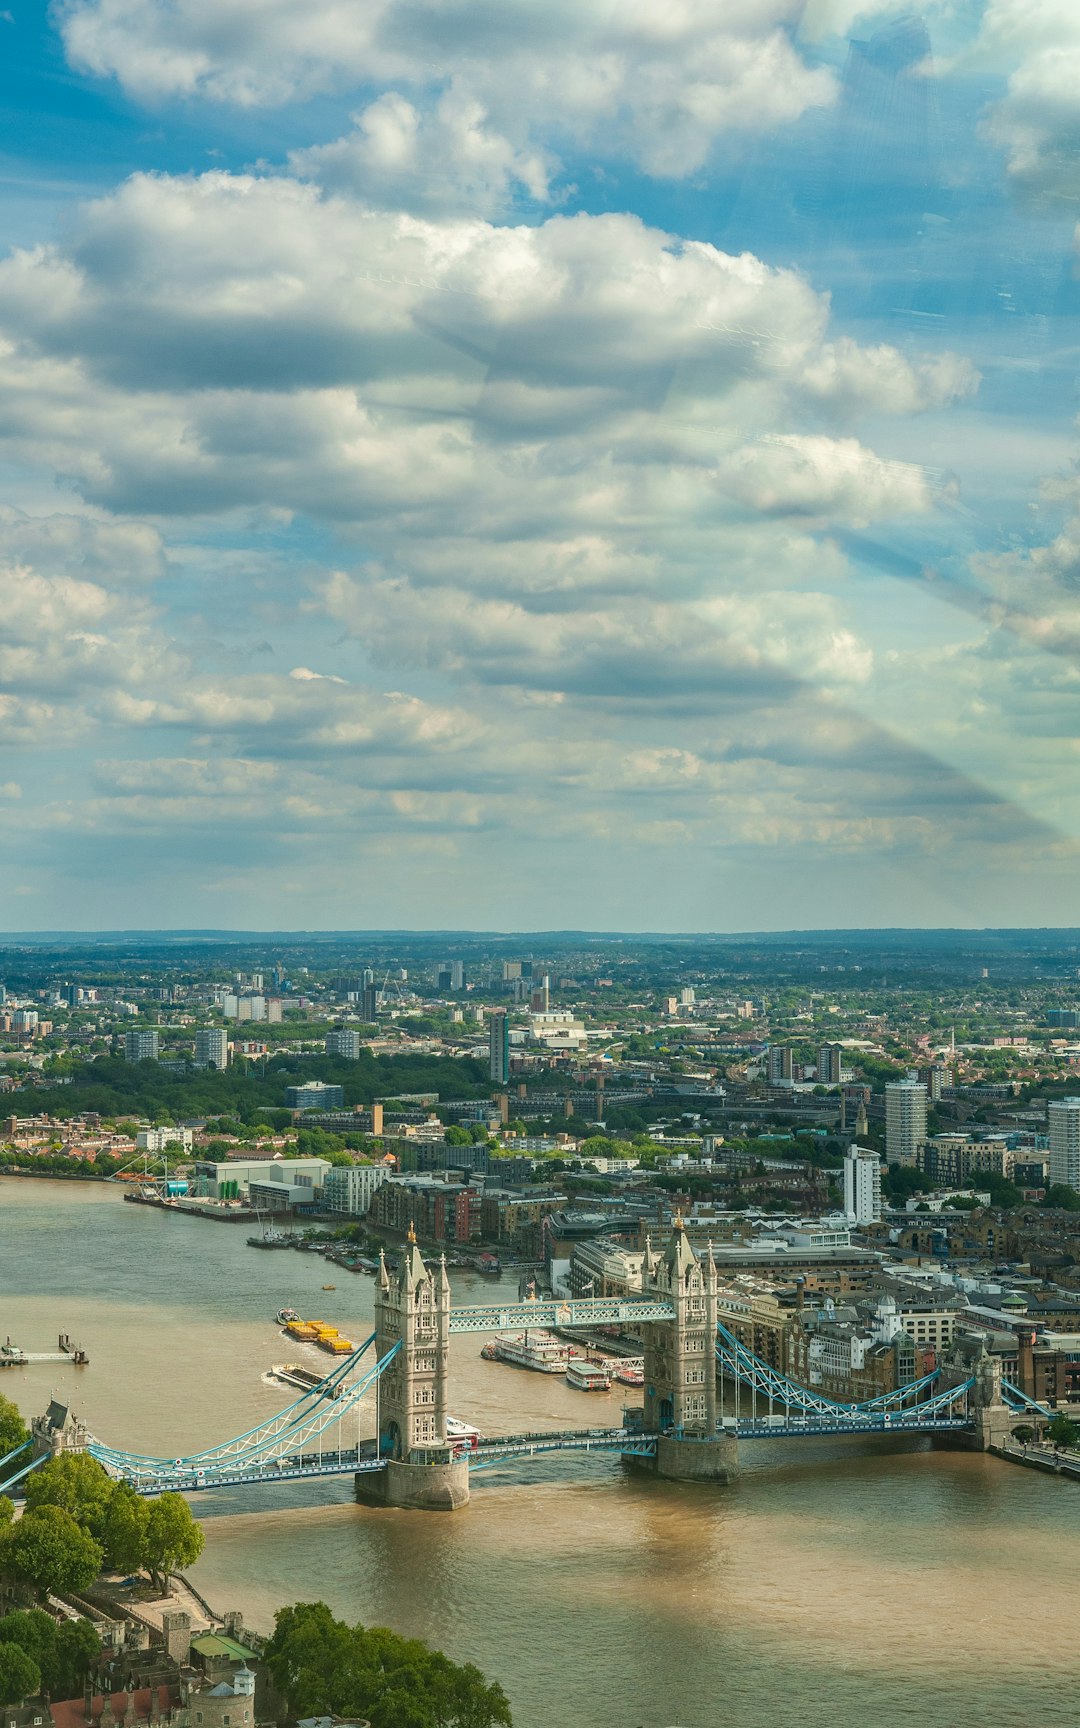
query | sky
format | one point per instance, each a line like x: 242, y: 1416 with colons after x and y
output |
x: 522, y: 464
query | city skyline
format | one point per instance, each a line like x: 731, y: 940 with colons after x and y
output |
x: 435, y: 445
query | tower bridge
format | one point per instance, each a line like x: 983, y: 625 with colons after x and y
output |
x: 698, y: 1381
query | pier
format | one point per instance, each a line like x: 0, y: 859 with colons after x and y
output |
x: 12, y: 1356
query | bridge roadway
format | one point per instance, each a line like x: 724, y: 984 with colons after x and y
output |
x: 551, y: 1311
x: 349, y: 1461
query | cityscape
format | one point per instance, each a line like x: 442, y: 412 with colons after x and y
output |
x: 539, y: 849
x: 541, y: 1174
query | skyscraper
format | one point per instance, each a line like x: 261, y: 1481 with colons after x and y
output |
x: 499, y: 1046
x: 862, y: 1185
x: 778, y: 1069
x: 211, y: 1047
x: 1063, y: 1117
x: 905, y: 1121
x: 343, y: 1041
x: 141, y: 1046
x: 828, y: 1064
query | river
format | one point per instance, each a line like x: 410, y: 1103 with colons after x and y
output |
x: 837, y: 1584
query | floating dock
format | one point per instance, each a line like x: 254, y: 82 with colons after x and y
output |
x: 11, y: 1356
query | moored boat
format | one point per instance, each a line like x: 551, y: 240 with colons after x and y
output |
x: 588, y: 1376
x: 535, y: 1349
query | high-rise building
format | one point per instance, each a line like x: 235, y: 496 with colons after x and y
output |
x: 862, y: 1185
x: 343, y: 1041
x: 1063, y: 1117
x: 540, y: 1000
x: 369, y: 1007
x: 778, y: 1070
x: 687, y: 996
x: 935, y: 1076
x: 511, y: 969
x: 315, y: 1095
x: 457, y: 974
x: 499, y: 1046
x: 905, y: 1121
x: 829, y: 1058
x: 141, y: 1046
x: 211, y: 1047
x: 1066, y: 1018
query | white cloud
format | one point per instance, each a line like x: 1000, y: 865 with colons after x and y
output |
x: 658, y: 85
x: 1038, y: 121
x: 824, y: 477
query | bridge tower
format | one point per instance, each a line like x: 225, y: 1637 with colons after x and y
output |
x: 412, y: 1309
x: 680, y: 1367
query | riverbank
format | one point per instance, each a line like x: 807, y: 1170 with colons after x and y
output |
x: 1038, y: 1458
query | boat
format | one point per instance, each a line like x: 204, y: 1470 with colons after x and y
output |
x: 631, y: 1371
x: 463, y: 1437
x: 535, y: 1349
x: 284, y: 1315
x: 588, y: 1376
x: 329, y: 1286
x: 295, y: 1374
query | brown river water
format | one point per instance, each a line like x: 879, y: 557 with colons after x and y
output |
x: 839, y: 1584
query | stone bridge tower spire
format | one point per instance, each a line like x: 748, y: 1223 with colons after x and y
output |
x: 680, y: 1367
x: 412, y: 1309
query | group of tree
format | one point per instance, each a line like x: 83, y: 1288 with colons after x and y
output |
x: 39, y: 1654
x: 78, y: 1520
x: 322, y: 1666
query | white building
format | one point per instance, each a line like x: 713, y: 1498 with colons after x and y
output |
x: 862, y: 1186
x: 159, y: 1139
x: 556, y: 1029
x: 1063, y: 1117
x: 251, y: 1175
x: 141, y: 1046
x: 211, y: 1047
x: 905, y: 1121
x: 349, y: 1188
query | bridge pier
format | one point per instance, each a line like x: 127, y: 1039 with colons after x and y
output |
x: 439, y: 1483
x: 698, y: 1459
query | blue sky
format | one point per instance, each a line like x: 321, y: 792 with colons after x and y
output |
x: 530, y: 464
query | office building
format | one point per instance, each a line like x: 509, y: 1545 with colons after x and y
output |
x: 369, y: 1006
x: 540, y: 1000
x: 141, y: 1046
x: 457, y: 974
x: 778, y: 1071
x: 905, y: 1121
x: 350, y: 1188
x: 511, y: 969
x: 315, y: 1095
x: 1065, y: 1019
x: 343, y: 1041
x: 1063, y: 1117
x: 828, y: 1064
x: 862, y: 1186
x: 499, y: 1046
x: 211, y: 1047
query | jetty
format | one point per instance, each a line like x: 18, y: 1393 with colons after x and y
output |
x: 12, y: 1356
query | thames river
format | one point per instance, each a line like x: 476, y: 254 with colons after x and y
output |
x: 838, y: 1584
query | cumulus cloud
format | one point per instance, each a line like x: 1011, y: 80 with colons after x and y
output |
x: 657, y: 86
x: 1038, y: 120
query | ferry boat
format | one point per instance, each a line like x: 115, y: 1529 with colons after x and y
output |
x: 536, y: 1349
x: 462, y: 1436
x: 588, y: 1376
x: 631, y: 1371
x: 295, y: 1374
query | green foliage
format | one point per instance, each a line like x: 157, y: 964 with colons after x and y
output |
x: 457, y: 1136
x: 63, y: 1653
x: 49, y: 1550
x: 1060, y: 1197
x: 173, y: 1539
x: 322, y: 1665
x: 20, y: 1676
x: 76, y: 1482
x: 124, y: 1529
x: 1062, y: 1431
x: 901, y: 1181
x: 1024, y: 1432
x: 13, y: 1430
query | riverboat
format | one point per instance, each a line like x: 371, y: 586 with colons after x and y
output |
x: 284, y: 1315
x: 631, y: 1371
x: 463, y: 1437
x: 295, y: 1374
x: 537, y: 1349
x: 588, y: 1376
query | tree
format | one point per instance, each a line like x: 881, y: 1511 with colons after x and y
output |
x: 20, y: 1676
x: 123, y: 1532
x: 173, y: 1539
x: 7, y: 1512
x: 1063, y: 1432
x: 47, y: 1547
x: 1024, y: 1432
x: 13, y: 1430
x: 76, y: 1482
